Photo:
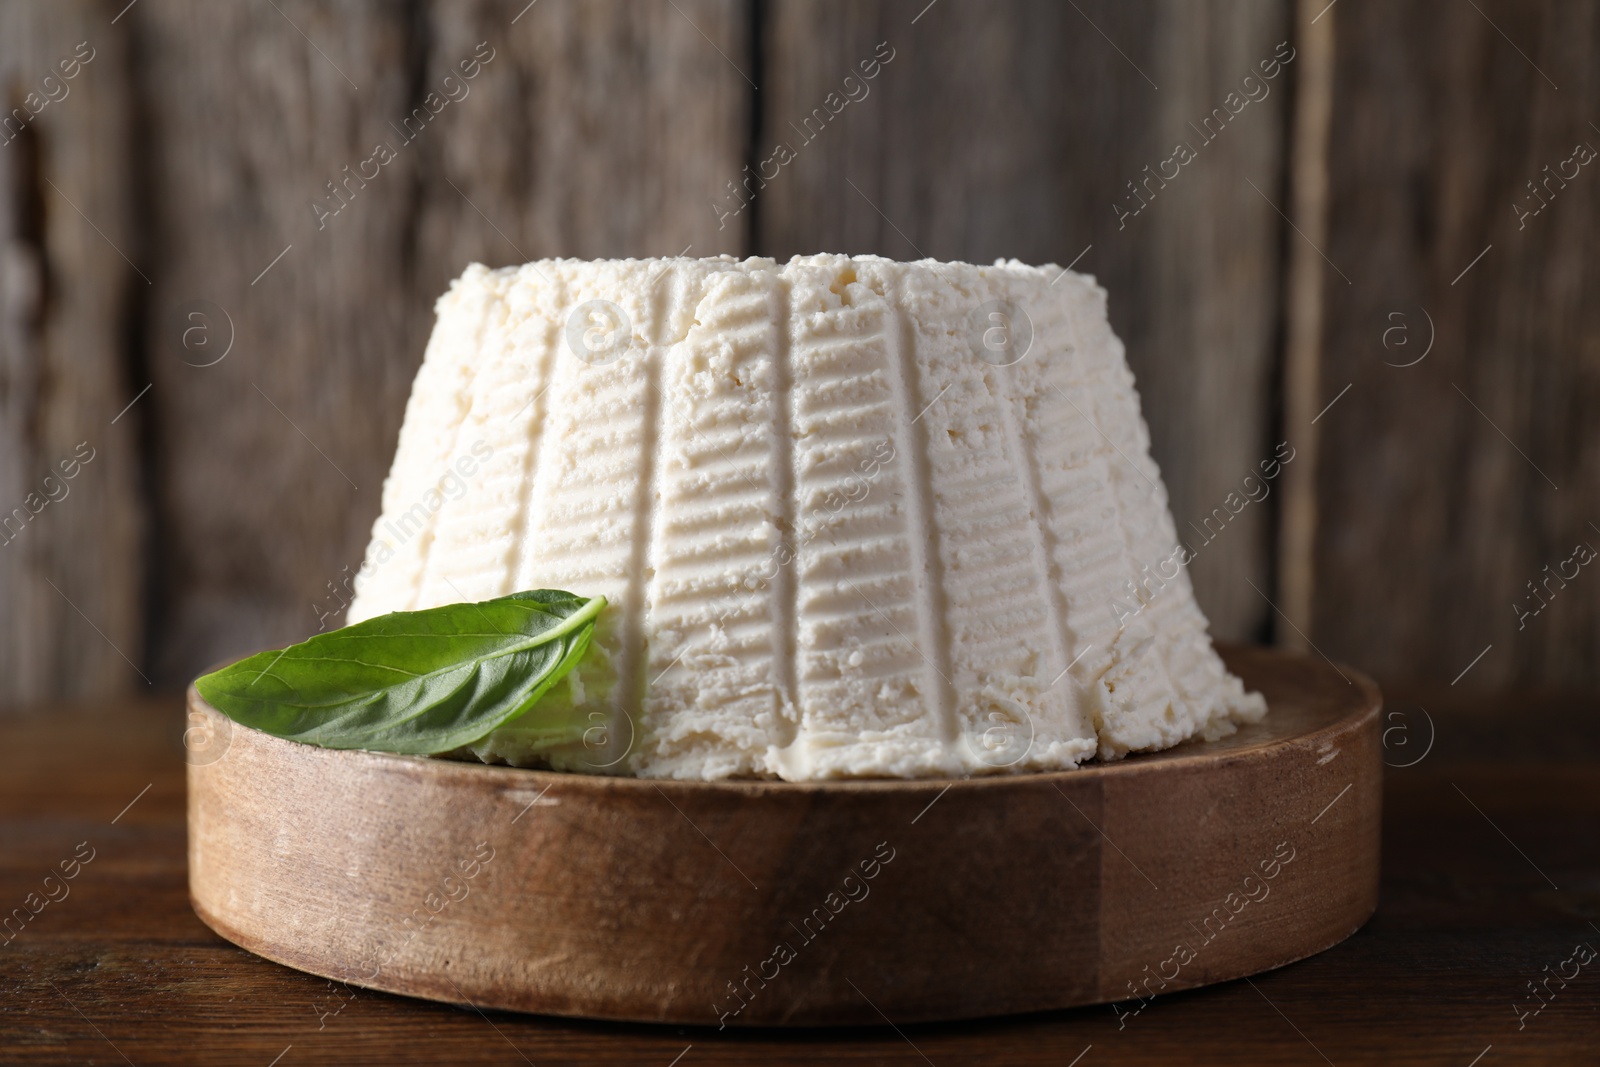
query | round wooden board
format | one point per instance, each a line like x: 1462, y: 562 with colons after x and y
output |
x: 776, y: 903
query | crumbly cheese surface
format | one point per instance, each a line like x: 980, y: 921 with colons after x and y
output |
x: 854, y: 517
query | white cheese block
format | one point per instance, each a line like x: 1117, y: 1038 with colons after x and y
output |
x: 854, y: 517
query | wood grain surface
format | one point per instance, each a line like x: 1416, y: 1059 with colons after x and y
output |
x: 819, y: 903
x: 271, y: 461
x: 262, y: 408
x: 1480, y: 817
x: 1450, y: 484
x: 71, y: 272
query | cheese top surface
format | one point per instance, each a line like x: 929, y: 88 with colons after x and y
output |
x: 854, y: 517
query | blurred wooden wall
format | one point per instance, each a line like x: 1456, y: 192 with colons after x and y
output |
x: 161, y: 213
x: 1448, y: 487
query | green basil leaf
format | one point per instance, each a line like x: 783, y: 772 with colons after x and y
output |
x: 418, y: 682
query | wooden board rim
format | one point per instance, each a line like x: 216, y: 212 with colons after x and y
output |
x: 593, y: 797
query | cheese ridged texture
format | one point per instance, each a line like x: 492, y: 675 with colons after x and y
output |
x: 841, y: 532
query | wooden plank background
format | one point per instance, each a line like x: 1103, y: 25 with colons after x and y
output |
x: 71, y: 575
x: 162, y: 213
x: 1448, y: 486
x: 570, y: 140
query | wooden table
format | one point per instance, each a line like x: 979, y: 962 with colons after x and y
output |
x: 1491, y: 876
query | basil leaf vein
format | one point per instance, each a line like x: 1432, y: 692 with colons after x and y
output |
x: 415, y: 682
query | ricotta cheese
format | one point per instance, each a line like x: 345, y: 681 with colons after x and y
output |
x: 854, y: 517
